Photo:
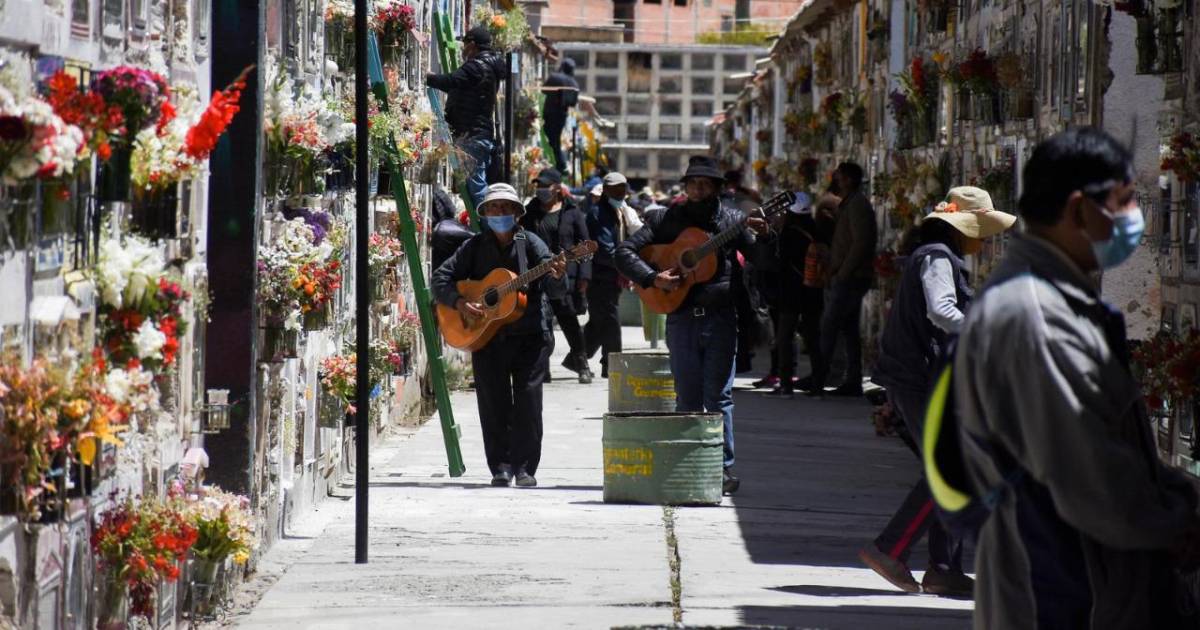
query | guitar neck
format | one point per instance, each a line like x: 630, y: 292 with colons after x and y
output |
x: 720, y: 240
x: 524, y: 280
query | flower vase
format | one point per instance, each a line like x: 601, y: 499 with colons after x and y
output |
x: 278, y: 344
x: 18, y: 205
x: 112, y: 602
x: 965, y: 109
x: 114, y: 175
x: 318, y: 318
x: 58, y: 209
x: 204, y: 591
x: 381, y: 287
x: 155, y: 212
x: 404, y: 366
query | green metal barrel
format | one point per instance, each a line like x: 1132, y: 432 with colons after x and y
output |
x: 663, y: 458
x: 640, y: 380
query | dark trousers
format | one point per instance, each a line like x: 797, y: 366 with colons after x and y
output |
x: 554, y: 129
x: 785, y: 345
x: 841, y: 317
x: 508, y: 386
x: 916, y: 515
x: 603, y: 329
x: 702, y: 344
x: 568, y: 321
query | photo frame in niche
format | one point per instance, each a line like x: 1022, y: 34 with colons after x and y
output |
x: 81, y: 19
x: 139, y: 19
x: 314, y: 37
x: 201, y: 27
x: 112, y: 24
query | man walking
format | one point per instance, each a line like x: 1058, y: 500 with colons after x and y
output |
x: 556, y: 219
x: 510, y: 369
x: 609, y: 222
x: 562, y: 93
x: 1089, y: 519
x: 850, y: 274
x: 471, y: 104
x: 702, y: 333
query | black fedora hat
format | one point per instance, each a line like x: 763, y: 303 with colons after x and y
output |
x: 702, y: 166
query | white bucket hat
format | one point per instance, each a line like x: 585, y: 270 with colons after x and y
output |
x: 502, y: 192
x: 969, y: 210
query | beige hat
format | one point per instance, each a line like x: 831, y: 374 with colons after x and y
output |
x: 969, y: 210
x: 615, y: 179
x: 502, y: 192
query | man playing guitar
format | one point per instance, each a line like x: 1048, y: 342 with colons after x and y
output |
x: 702, y: 333
x: 510, y: 369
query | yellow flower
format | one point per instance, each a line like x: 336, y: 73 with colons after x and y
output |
x: 499, y: 21
x: 940, y: 58
x: 241, y: 557
x: 77, y: 409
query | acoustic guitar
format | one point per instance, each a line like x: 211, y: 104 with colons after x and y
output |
x: 694, y: 255
x: 501, y: 293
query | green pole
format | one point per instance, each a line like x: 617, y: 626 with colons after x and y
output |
x: 408, y: 236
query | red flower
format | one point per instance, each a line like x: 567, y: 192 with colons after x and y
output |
x: 104, y: 150
x: 202, y: 138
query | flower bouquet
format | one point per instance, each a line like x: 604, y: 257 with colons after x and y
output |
x: 100, y: 121
x: 143, y: 99
x: 509, y: 29
x: 1182, y: 157
x: 394, y: 22
x: 137, y: 544
x: 224, y: 526
x: 384, y: 253
x: 301, y: 127
x: 1169, y: 369
x: 34, y: 438
x: 338, y: 374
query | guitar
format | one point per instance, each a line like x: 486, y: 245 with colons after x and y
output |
x: 500, y: 294
x: 694, y: 255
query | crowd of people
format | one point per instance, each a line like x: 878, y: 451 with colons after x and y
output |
x: 1019, y: 401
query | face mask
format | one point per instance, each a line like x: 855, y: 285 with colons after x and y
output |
x: 502, y: 224
x: 1127, y: 234
x: 544, y: 195
x: 616, y: 203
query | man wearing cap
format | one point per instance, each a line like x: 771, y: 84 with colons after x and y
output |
x: 702, y: 333
x: 555, y: 218
x: 609, y: 222
x: 562, y: 93
x: 471, y: 103
x: 798, y: 231
x: 510, y: 370
x: 928, y: 308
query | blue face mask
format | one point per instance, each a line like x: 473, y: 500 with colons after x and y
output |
x: 501, y: 224
x: 616, y: 203
x: 1127, y: 234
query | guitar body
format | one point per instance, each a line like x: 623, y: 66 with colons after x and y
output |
x: 473, y: 335
x: 677, y: 255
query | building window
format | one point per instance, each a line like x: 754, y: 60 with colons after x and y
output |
x: 668, y: 131
x: 670, y: 85
x: 580, y: 57
x: 670, y: 108
x: 637, y: 131
x: 1191, y: 237
x: 606, y: 84
x: 636, y: 160
x: 623, y: 15
x: 670, y: 61
x: 668, y: 163
x: 702, y: 61
x: 653, y: 1
x: 681, y: 3
x: 610, y: 60
x: 702, y: 85
x: 734, y: 62
x: 638, y: 73
x: 637, y: 107
x: 733, y: 86
x: 608, y: 105
x: 698, y: 132
x: 702, y: 109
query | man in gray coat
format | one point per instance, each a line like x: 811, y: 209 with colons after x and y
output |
x: 1087, y: 535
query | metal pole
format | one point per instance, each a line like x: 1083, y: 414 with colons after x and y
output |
x: 362, y: 288
x: 509, y: 95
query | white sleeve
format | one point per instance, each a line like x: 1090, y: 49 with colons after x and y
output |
x: 941, y: 298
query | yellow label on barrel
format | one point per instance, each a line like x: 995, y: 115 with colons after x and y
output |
x: 632, y: 462
x: 651, y: 386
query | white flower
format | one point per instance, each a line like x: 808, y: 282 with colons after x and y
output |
x: 117, y: 384
x: 149, y: 340
x: 293, y: 321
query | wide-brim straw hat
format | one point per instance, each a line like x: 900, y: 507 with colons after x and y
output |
x: 969, y: 210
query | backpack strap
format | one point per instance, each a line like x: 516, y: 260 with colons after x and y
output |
x: 522, y: 256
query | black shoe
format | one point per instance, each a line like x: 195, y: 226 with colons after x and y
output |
x: 948, y: 583
x: 586, y: 376
x: 729, y: 483
x: 804, y: 382
x: 525, y: 480
x: 849, y: 390
x: 573, y: 363
x: 548, y: 378
x: 785, y: 394
x: 503, y: 477
x: 769, y: 380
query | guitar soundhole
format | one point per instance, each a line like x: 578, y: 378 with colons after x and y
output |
x: 688, y: 259
x: 491, y: 298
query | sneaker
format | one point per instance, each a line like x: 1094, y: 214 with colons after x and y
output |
x: 766, y: 382
x: 778, y: 392
x: 525, y: 480
x: 803, y: 382
x: 729, y: 482
x: 586, y: 376
x: 503, y: 477
x: 939, y: 581
x: 889, y: 569
x: 848, y: 390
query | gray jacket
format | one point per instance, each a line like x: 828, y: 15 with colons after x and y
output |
x: 1042, y: 378
x: 852, y: 253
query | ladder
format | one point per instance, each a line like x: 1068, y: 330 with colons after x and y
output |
x: 451, y: 432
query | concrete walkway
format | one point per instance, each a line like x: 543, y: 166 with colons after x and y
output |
x: 456, y: 553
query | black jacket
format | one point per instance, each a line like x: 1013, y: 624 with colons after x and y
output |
x: 482, y: 254
x: 559, y: 101
x: 560, y: 231
x: 664, y: 226
x: 471, y: 105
